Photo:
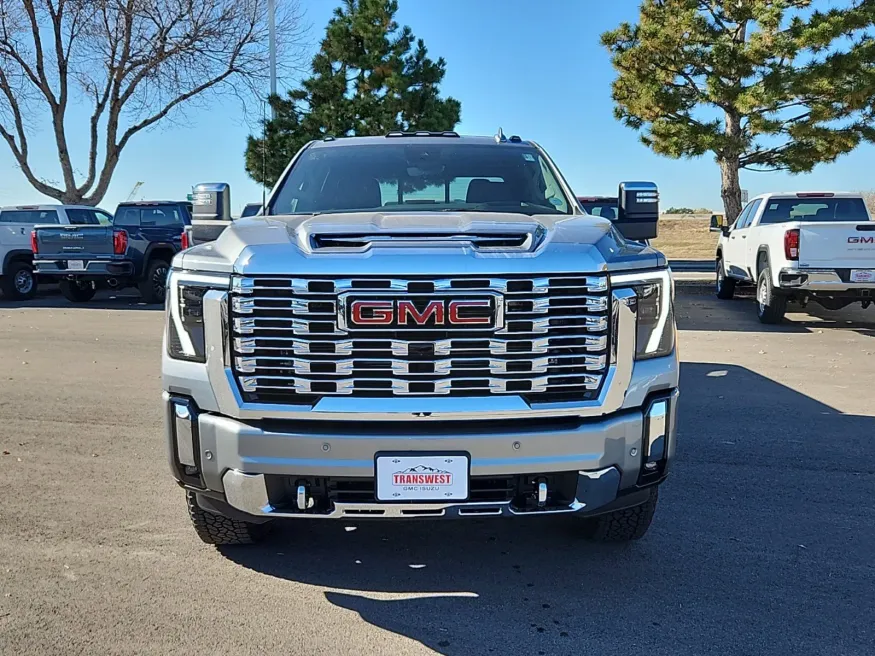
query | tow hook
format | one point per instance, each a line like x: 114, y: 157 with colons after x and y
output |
x: 542, y: 492
x: 304, y: 500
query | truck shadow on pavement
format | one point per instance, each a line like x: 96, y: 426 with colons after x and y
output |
x: 761, y: 544
x: 700, y: 311
x: 103, y: 300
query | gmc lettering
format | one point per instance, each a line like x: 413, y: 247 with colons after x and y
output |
x: 437, y: 312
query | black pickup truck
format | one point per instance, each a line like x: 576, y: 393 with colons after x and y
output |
x: 135, y: 251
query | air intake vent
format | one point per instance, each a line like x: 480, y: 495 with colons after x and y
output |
x: 521, y: 241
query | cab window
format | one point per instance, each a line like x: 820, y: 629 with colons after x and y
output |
x: 161, y: 217
x: 80, y: 216
x: 32, y: 217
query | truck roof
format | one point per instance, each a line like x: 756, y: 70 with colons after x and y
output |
x: 39, y: 207
x: 419, y: 138
x: 152, y: 202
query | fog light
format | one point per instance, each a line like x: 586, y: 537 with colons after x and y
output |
x: 654, y: 447
x: 654, y: 432
x: 184, y: 436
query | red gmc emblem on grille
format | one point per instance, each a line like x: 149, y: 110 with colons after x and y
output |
x: 413, y: 312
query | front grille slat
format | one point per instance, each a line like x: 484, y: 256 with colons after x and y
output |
x: 288, y: 345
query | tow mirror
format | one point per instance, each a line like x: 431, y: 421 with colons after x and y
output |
x: 718, y: 224
x: 211, y: 201
x: 638, y: 210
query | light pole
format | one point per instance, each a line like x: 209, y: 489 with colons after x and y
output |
x: 271, y: 36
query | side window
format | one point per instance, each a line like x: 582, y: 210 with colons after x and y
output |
x: 741, y: 221
x: 127, y: 216
x: 751, y: 215
x: 103, y: 218
x: 161, y: 217
x: 81, y: 217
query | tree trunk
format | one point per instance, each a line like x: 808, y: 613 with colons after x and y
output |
x: 730, y: 188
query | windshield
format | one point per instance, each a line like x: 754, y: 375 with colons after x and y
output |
x: 394, y: 177
x: 782, y: 210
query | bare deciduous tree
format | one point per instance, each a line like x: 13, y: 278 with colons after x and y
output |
x: 133, y: 61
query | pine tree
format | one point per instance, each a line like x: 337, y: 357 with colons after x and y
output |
x: 369, y: 77
x: 764, y: 85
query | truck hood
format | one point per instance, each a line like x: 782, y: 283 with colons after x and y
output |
x: 419, y: 243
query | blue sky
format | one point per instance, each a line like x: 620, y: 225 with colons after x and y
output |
x: 534, y: 68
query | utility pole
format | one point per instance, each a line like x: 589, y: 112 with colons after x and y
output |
x: 271, y: 30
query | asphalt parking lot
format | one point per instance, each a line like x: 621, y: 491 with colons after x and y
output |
x: 764, y: 541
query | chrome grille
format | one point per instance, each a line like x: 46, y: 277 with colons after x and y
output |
x: 287, y: 345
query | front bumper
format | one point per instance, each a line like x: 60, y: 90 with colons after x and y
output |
x: 255, y: 467
x: 249, y: 459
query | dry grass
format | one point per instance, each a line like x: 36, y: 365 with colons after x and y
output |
x: 686, y: 238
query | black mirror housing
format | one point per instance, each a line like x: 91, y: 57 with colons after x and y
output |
x: 638, y: 211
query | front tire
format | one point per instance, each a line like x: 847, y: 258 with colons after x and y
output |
x: 622, y: 525
x: 154, y: 284
x: 221, y: 530
x: 19, y: 282
x: 771, y: 305
x: 76, y: 291
x: 725, y: 284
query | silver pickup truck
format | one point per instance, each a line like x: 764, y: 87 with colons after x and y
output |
x: 423, y: 326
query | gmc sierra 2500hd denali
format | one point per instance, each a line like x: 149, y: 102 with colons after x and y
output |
x: 420, y: 326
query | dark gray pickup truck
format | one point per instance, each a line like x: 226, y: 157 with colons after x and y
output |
x: 133, y: 252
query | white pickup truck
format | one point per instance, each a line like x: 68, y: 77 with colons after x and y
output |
x: 17, y: 279
x: 811, y: 246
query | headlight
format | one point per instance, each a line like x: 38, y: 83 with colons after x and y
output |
x: 185, y: 313
x: 655, y: 335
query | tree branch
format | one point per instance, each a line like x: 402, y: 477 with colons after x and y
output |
x: 40, y: 79
x: 23, y: 164
x: 11, y: 98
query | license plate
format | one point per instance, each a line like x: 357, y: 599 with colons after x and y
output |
x: 75, y: 265
x: 433, y: 477
x: 862, y: 275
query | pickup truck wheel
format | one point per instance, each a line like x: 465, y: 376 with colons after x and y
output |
x: 18, y: 282
x: 725, y: 284
x: 154, y: 284
x: 77, y: 291
x: 622, y: 525
x: 771, y: 305
x: 221, y: 530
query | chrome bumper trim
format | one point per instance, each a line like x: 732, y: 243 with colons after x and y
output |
x: 248, y: 493
x: 230, y: 402
x: 815, y: 280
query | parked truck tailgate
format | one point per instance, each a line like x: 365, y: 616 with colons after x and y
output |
x: 849, y: 245
x: 78, y: 249
x: 79, y: 241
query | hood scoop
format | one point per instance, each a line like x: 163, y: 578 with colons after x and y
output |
x: 479, y: 242
x: 481, y: 236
